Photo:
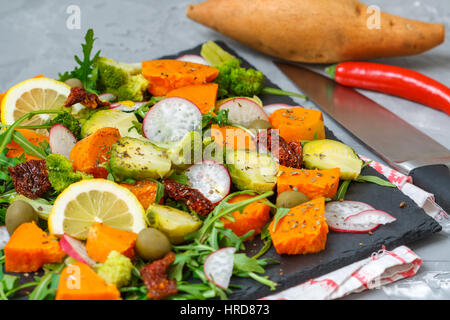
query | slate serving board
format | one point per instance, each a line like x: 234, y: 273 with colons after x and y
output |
x: 342, y: 248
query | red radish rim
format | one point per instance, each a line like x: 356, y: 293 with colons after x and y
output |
x: 342, y: 216
x: 152, y: 109
x: 354, y: 231
x: 197, y: 57
x: 50, y: 135
x: 69, y: 248
x: 373, y: 210
x: 226, y: 170
x: 232, y: 100
x: 209, y: 257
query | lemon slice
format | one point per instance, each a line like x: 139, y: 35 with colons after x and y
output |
x: 30, y: 95
x: 95, y: 200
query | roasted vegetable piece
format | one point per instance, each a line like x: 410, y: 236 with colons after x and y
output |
x: 288, y: 154
x: 155, y: 279
x: 116, y: 269
x: 88, y: 154
x: 138, y: 159
x: 88, y: 285
x: 191, y: 197
x: 202, y: 95
x: 312, y: 183
x: 122, y: 121
x: 176, y: 224
x: 297, y: 124
x: 152, y: 244
x: 253, y: 217
x: 303, y: 230
x: 29, y: 248
x: 30, y: 178
x: 103, y: 239
x: 328, y: 154
x: 232, y: 137
x: 123, y: 79
x: 250, y: 170
x: 144, y: 190
x: 167, y: 75
x: 60, y: 172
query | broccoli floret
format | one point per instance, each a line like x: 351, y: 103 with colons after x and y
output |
x: 116, y: 269
x: 60, y: 172
x: 69, y: 121
x: 123, y: 79
x: 234, y: 80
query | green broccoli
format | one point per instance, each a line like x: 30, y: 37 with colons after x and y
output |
x: 61, y: 173
x: 69, y: 121
x: 234, y: 80
x: 116, y: 269
x: 123, y: 79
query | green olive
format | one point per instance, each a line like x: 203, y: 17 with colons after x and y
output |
x: 260, y: 125
x: 152, y: 244
x: 74, y: 83
x: 290, y: 199
x: 19, y: 212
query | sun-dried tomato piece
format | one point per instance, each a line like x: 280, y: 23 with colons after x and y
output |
x: 288, y: 154
x: 191, y: 197
x: 30, y: 178
x: 155, y: 279
x: 80, y: 95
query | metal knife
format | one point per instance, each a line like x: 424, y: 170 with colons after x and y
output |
x: 397, y: 142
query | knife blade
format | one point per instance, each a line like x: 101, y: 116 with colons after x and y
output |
x: 405, y: 148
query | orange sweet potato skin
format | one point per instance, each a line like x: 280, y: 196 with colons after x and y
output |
x: 88, y: 153
x: 297, y: 124
x: 312, y: 183
x: 330, y: 31
x: 79, y: 282
x: 103, y: 239
x: 144, y: 190
x: 29, y: 248
x: 303, y: 230
x: 253, y: 217
x: 167, y: 75
x: 202, y: 95
x: 15, y: 150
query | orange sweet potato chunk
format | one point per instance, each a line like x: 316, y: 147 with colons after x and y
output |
x: 313, y: 183
x: 15, y: 150
x: 79, y: 282
x: 298, y: 124
x: 144, y: 190
x: 103, y: 239
x: 202, y: 95
x: 167, y: 75
x: 253, y: 217
x: 29, y: 248
x: 233, y: 138
x: 303, y: 230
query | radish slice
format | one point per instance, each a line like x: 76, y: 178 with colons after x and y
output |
x: 243, y: 111
x: 211, y: 179
x: 370, y: 216
x: 271, y: 108
x: 75, y: 249
x: 337, y: 211
x: 170, y: 119
x: 61, y: 140
x: 4, y: 237
x: 193, y: 58
x: 107, y: 97
x: 218, y: 266
x: 126, y: 107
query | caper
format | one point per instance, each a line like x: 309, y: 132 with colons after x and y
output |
x: 152, y: 244
x: 259, y: 124
x: 290, y: 199
x: 74, y: 83
x: 19, y: 212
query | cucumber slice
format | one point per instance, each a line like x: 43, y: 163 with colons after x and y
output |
x: 328, y: 154
x: 176, y: 224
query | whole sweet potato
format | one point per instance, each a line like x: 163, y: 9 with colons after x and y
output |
x: 317, y: 31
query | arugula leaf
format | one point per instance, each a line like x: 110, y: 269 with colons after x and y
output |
x: 247, y: 264
x: 221, y: 118
x: 342, y: 190
x: 180, y: 178
x: 376, y: 180
x: 28, y: 147
x: 85, y: 72
x: 281, y: 212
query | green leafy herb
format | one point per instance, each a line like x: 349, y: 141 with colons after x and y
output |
x: 342, y: 190
x: 281, y: 212
x: 210, y: 118
x: 85, y: 72
x: 376, y: 180
x: 180, y: 178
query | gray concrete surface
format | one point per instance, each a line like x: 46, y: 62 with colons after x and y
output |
x: 34, y: 39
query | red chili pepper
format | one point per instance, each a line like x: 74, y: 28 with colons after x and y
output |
x: 393, y: 80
